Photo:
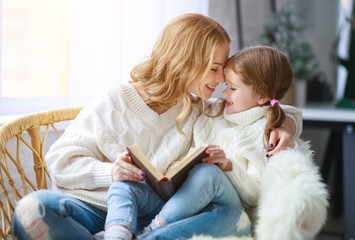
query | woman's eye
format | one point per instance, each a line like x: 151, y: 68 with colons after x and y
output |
x: 214, y: 69
x: 233, y: 89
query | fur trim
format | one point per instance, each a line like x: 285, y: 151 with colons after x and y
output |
x: 293, y: 199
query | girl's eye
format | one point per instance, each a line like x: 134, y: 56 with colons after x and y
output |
x: 214, y: 69
x: 231, y: 88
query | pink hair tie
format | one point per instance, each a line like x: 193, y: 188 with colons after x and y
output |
x: 273, y: 102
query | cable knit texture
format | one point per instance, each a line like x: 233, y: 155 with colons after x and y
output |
x: 241, y: 144
x: 240, y: 135
x: 284, y: 195
x: 80, y: 162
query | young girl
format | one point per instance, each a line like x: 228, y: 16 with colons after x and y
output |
x: 257, y: 77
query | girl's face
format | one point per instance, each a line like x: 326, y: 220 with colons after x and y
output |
x: 239, y: 96
x: 214, y: 76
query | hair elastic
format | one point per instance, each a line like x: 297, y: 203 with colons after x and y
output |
x: 273, y: 102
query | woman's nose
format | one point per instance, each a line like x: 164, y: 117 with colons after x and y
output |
x: 221, y: 78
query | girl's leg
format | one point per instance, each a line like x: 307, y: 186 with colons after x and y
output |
x: 205, y: 184
x: 215, y: 220
x: 127, y: 200
x: 52, y: 215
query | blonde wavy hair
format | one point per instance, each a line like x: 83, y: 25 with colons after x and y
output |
x: 183, y: 51
x: 268, y: 71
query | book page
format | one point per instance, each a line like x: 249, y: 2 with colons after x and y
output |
x: 190, y: 157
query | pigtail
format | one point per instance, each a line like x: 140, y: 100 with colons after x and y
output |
x: 275, y: 116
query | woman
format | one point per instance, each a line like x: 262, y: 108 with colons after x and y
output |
x: 156, y: 111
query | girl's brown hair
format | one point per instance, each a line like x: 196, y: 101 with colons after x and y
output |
x: 268, y: 71
x: 183, y: 51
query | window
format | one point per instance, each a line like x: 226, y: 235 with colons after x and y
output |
x: 35, y: 55
x: 59, y: 53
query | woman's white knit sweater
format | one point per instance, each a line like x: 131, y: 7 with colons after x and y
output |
x: 240, y: 135
x: 80, y: 162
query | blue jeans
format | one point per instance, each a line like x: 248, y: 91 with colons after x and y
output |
x: 128, y: 200
x: 206, y: 185
x: 56, y: 214
x: 65, y: 217
x: 214, y: 220
x: 60, y: 216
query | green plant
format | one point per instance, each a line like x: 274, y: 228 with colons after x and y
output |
x: 284, y: 31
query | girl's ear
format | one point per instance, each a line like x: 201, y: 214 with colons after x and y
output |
x: 262, y: 100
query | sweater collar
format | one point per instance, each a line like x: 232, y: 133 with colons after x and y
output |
x: 137, y: 104
x: 247, y: 117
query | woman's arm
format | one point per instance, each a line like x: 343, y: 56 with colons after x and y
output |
x: 294, y: 120
x: 281, y: 137
x: 291, y: 128
x: 75, y: 160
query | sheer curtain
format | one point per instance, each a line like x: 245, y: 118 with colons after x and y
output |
x: 109, y: 37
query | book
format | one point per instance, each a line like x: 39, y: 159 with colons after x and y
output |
x: 166, y: 185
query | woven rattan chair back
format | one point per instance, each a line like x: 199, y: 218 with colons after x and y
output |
x: 20, y: 175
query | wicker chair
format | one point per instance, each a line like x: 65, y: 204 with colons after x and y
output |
x: 27, y: 136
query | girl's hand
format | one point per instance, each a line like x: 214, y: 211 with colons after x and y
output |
x: 124, y: 170
x: 280, y: 138
x: 218, y: 157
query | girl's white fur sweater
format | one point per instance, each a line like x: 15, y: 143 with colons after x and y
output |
x: 284, y: 194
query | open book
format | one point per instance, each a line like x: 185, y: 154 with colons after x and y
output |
x: 166, y: 185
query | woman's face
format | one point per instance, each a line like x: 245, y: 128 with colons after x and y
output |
x: 239, y: 96
x: 214, y: 76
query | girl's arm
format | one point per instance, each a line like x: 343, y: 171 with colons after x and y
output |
x: 217, y: 156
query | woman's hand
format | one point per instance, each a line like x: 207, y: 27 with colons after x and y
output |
x: 218, y: 157
x: 124, y: 170
x: 280, y: 138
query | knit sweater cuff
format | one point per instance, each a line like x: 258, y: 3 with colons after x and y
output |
x: 102, y: 175
x: 297, y: 132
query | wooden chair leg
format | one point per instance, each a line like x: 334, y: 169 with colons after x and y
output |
x: 35, y: 134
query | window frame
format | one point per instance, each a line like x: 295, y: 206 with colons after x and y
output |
x: 24, y: 105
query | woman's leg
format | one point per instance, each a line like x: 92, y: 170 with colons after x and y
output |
x: 205, y: 184
x: 52, y: 215
x: 127, y: 200
x: 215, y: 220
